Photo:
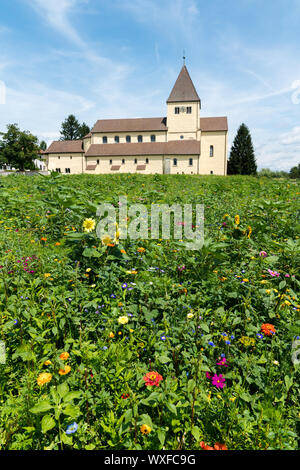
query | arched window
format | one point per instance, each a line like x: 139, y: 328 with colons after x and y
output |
x: 211, y: 151
x: 104, y: 139
x: 117, y: 139
x: 128, y: 139
x: 140, y: 138
x: 175, y: 161
x: 153, y: 138
x: 191, y: 162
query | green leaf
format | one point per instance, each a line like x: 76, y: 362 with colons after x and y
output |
x: 164, y: 359
x: 288, y: 382
x: 72, y: 396
x: 161, y: 434
x: 41, y: 407
x: 71, y: 410
x: 205, y: 327
x: 172, y: 407
x: 47, y: 423
x: 62, y: 389
x: 196, y: 433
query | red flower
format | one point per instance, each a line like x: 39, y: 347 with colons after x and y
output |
x: 268, y: 329
x: 205, y: 446
x: 125, y: 396
x: 219, y: 446
x: 152, y: 378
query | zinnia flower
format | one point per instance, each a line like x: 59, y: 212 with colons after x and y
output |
x: 44, y: 378
x: 218, y: 381
x: 152, y: 378
x: 219, y: 446
x: 64, y: 356
x: 145, y: 429
x: 64, y: 371
x: 263, y: 254
x: 205, y: 446
x: 89, y: 225
x: 47, y: 363
x: 268, y: 329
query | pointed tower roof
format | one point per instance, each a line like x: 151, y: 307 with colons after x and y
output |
x: 183, y: 89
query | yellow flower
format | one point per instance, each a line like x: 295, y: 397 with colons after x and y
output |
x: 89, y: 225
x: 47, y: 275
x: 232, y: 398
x: 64, y: 371
x: 47, y: 363
x: 123, y: 320
x: 190, y: 315
x: 145, y: 429
x: 111, y: 335
x: 142, y: 250
x: 237, y: 219
x: 43, y: 378
x: 64, y: 356
x: 88, y: 270
x: 106, y: 240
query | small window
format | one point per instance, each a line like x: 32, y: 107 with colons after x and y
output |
x: 135, y: 161
x: 117, y: 139
x: 110, y: 162
x: 211, y: 172
x: 153, y: 138
x: 104, y: 139
x: 98, y: 161
x: 58, y: 170
x: 177, y: 110
x: 175, y: 161
x: 189, y: 110
x: 128, y: 139
x: 147, y: 161
x: 140, y: 138
x: 67, y: 170
x: 58, y: 158
x: 191, y: 162
x: 182, y: 137
x: 71, y: 157
x: 123, y: 161
x: 211, y: 151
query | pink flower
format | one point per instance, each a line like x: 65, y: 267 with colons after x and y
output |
x: 273, y: 273
x: 208, y: 376
x: 222, y: 362
x: 218, y: 381
x: 263, y: 254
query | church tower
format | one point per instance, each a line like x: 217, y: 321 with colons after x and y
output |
x: 183, y: 115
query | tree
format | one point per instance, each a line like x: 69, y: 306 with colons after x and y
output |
x: 295, y: 172
x: 71, y: 129
x: 43, y: 145
x: 18, y: 148
x: 242, y: 157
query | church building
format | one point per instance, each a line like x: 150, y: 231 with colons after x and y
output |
x: 182, y: 142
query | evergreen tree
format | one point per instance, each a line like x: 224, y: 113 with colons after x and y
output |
x: 70, y: 129
x: 18, y: 148
x: 242, y: 157
x: 43, y: 145
x: 84, y: 130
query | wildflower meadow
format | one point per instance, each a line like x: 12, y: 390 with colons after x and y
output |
x: 143, y: 344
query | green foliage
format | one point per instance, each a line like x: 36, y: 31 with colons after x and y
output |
x: 71, y: 129
x: 74, y: 371
x: 18, y: 148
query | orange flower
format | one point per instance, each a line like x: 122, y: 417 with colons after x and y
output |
x: 219, y: 446
x: 64, y: 371
x: 43, y: 378
x: 152, y: 378
x: 123, y: 251
x: 205, y: 446
x: 47, y: 363
x: 44, y: 239
x: 268, y: 329
x: 57, y: 244
x: 64, y: 356
x: 141, y: 250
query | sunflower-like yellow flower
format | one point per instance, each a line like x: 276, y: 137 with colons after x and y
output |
x: 123, y: 320
x: 145, y: 429
x: 237, y: 219
x: 44, y: 378
x: 64, y: 356
x: 89, y: 225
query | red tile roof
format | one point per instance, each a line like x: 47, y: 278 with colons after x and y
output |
x: 130, y: 125
x: 65, y: 146
x: 183, y: 90
x: 174, y: 147
x: 213, y: 124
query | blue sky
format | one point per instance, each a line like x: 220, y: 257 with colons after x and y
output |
x: 102, y: 59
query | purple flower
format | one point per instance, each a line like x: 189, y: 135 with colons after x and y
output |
x: 218, y: 381
x: 263, y: 254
